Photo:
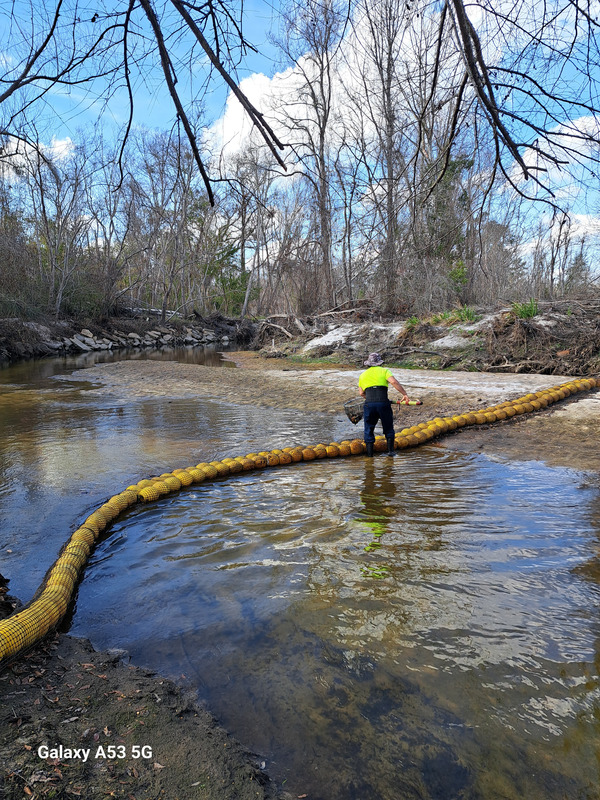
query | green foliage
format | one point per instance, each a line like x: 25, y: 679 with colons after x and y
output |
x: 526, y: 310
x: 373, y: 571
x: 297, y: 358
x: 12, y: 305
x: 412, y: 322
x: 466, y: 314
x: 462, y: 314
x: 443, y: 316
x: 444, y: 215
x: 83, y: 298
x: 578, y: 274
x: 232, y: 284
x: 458, y: 276
x: 224, y: 280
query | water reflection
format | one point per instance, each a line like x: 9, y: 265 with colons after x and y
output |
x: 475, y: 644
x: 64, y: 451
x: 38, y: 370
x: 423, y: 626
x: 376, y: 498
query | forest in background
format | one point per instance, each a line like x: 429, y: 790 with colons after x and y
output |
x: 395, y: 189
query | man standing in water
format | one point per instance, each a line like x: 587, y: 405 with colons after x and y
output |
x: 373, y: 386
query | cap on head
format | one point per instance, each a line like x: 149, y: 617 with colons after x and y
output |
x: 374, y: 360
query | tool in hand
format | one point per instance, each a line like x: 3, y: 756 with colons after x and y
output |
x: 354, y: 407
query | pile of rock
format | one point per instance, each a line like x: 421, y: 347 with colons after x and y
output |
x: 160, y: 336
x: 21, y: 339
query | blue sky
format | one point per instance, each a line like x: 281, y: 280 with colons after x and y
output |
x: 69, y: 109
x: 67, y: 113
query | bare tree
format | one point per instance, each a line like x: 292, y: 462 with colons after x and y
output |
x: 57, y: 188
x: 374, y: 89
x: 107, y: 235
x: 160, y: 215
x: 395, y: 198
x: 17, y: 256
x: 560, y: 261
x: 312, y: 32
x: 533, y: 69
x: 109, y: 49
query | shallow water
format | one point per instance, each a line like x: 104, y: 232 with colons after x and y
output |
x: 419, y: 627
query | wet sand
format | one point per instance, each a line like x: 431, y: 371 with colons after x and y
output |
x: 563, y: 435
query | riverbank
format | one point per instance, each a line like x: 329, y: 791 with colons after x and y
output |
x: 22, y: 339
x: 65, y: 694
x: 79, y: 723
x: 550, y: 338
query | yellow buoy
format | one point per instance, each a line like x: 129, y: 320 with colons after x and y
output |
x: 208, y: 469
x: 183, y: 476
x: 161, y: 487
x: 149, y: 494
x: 198, y: 475
x: 234, y: 465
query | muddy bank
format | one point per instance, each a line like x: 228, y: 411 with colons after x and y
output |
x: 66, y: 694
x: 109, y: 730
x: 551, y: 338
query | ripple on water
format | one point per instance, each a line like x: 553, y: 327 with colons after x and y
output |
x: 394, y: 628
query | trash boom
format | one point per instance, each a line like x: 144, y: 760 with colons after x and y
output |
x: 25, y: 628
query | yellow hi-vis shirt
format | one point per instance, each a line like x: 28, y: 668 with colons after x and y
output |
x: 374, y: 376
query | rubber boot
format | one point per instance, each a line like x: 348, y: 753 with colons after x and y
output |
x: 369, y: 446
x: 390, y: 443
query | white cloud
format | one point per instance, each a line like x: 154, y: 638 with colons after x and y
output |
x: 60, y: 149
x: 569, y: 183
x: 586, y: 225
x: 234, y: 131
x: 18, y: 155
x: 353, y: 71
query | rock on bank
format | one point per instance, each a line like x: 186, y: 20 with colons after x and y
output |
x: 21, y: 339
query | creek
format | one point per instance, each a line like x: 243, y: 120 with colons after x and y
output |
x: 419, y: 627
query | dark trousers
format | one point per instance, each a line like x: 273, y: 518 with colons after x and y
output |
x: 372, y: 413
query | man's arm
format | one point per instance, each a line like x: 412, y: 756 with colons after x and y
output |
x: 393, y: 382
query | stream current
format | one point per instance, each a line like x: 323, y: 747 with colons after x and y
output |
x: 419, y: 627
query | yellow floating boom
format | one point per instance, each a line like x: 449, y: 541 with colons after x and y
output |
x: 27, y: 627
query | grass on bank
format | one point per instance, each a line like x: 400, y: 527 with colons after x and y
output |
x: 526, y: 310
x: 450, y: 317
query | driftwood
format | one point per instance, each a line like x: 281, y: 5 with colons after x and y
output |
x: 301, y: 327
x: 336, y: 313
x: 404, y: 350
x: 569, y: 346
x: 267, y: 324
